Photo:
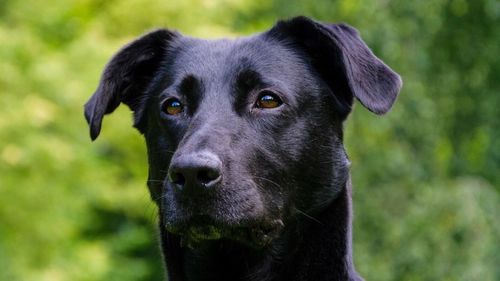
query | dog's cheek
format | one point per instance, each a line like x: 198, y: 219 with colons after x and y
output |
x: 275, y: 165
x: 160, y: 145
x: 158, y: 161
x: 314, y: 158
x: 270, y: 176
x: 325, y: 174
x: 254, y: 168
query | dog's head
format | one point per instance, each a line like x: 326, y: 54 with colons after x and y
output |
x: 244, y: 134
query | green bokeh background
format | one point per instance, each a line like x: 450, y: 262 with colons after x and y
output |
x: 426, y: 176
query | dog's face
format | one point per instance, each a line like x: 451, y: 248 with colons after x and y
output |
x: 244, y: 135
x: 241, y: 126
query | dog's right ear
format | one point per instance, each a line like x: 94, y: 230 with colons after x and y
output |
x: 127, y: 76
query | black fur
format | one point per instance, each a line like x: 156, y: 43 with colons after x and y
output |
x: 275, y: 199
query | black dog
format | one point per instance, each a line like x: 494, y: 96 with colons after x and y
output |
x: 244, y: 138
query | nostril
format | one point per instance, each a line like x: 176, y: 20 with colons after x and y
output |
x: 177, y: 178
x: 207, y: 176
x: 194, y: 170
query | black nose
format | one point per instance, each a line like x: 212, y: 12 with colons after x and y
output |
x: 195, y: 170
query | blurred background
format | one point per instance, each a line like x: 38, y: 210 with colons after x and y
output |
x: 426, y: 176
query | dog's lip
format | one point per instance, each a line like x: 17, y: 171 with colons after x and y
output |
x: 196, y: 224
x: 254, y: 233
x: 204, y: 232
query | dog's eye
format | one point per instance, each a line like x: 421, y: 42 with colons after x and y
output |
x: 267, y: 100
x: 172, y: 106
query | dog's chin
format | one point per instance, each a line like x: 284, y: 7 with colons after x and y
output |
x: 198, y: 231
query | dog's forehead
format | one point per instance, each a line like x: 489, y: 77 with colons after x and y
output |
x: 220, y: 59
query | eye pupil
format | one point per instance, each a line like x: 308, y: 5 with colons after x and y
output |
x: 268, y: 100
x: 172, y: 106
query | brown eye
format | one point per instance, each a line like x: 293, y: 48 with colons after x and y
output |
x: 172, y: 106
x: 267, y: 100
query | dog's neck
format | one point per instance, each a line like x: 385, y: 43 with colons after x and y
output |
x: 314, y: 249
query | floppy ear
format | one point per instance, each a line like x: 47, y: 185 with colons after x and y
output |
x: 344, y: 62
x: 127, y: 76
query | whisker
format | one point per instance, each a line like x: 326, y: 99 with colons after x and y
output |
x: 160, y: 181
x: 268, y: 180
x: 152, y: 214
x: 163, y: 196
x: 308, y: 216
x: 162, y: 150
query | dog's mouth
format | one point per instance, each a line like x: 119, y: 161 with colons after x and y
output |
x: 200, y: 229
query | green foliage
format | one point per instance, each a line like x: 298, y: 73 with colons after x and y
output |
x: 425, y: 176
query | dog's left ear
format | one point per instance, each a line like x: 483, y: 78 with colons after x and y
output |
x: 343, y: 61
x: 127, y: 76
